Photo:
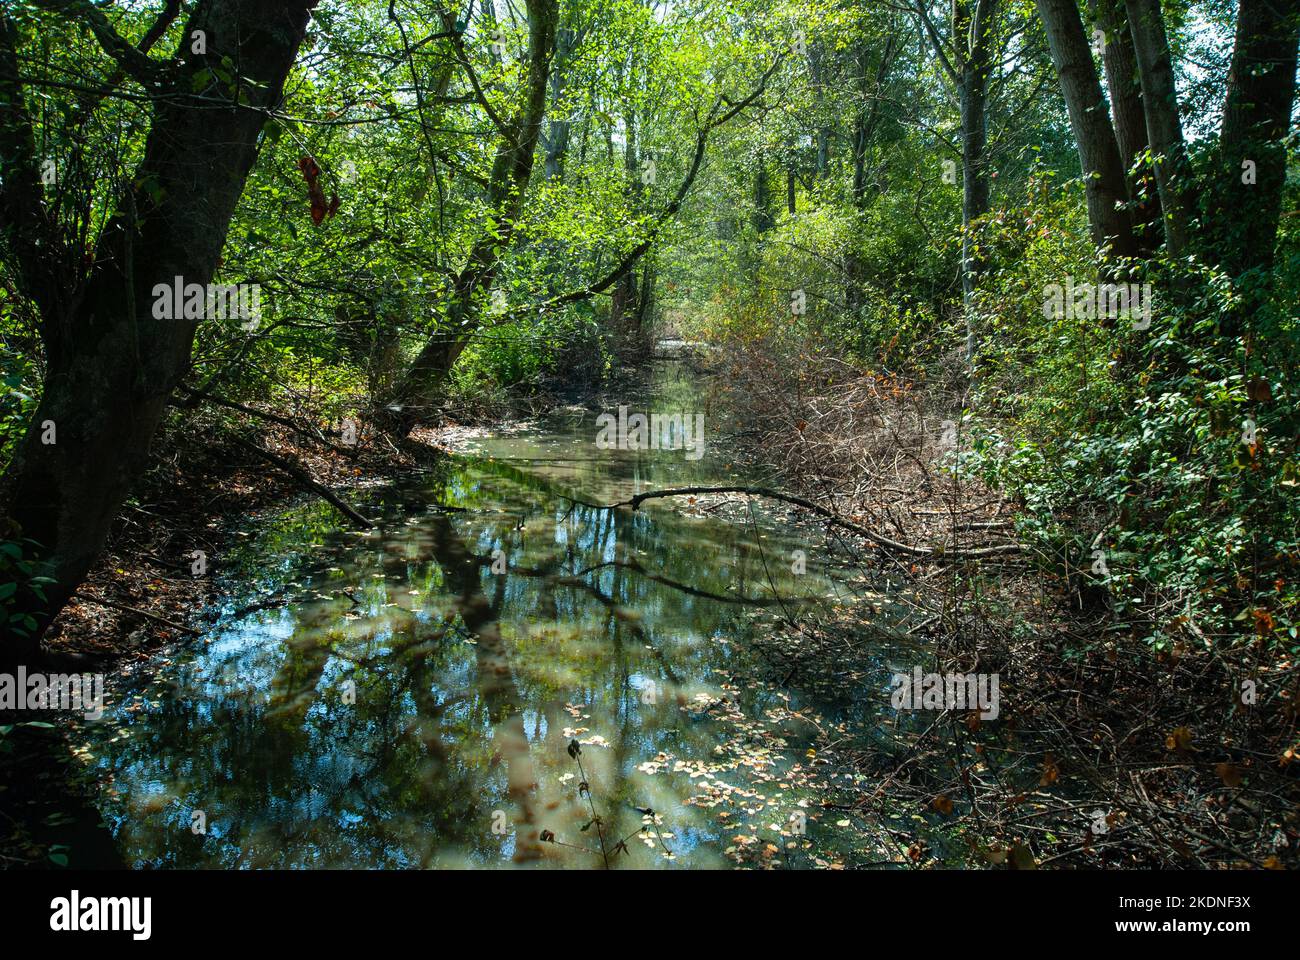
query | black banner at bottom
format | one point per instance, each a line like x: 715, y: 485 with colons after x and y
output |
x: 336, y: 908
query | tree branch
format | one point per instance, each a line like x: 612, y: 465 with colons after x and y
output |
x: 701, y: 144
x: 937, y: 553
x: 304, y: 478
x: 25, y: 223
x: 136, y: 64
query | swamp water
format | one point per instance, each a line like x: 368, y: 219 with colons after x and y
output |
x: 389, y: 698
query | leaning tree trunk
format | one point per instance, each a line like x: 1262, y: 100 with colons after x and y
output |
x: 420, y: 388
x: 110, y: 364
x: 1103, y: 171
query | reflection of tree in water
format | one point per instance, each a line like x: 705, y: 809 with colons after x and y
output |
x: 451, y: 686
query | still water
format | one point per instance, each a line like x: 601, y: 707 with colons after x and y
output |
x: 501, y: 673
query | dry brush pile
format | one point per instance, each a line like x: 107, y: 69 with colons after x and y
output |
x: 1106, y: 752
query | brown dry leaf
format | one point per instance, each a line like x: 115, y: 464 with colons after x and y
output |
x: 995, y: 856
x: 942, y: 804
x: 1050, y: 771
x: 1229, y: 773
x: 1259, y: 390
x: 1180, y: 740
x: 1022, y: 858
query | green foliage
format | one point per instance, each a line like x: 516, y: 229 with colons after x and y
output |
x: 18, y: 391
x: 1133, y: 442
x: 18, y: 572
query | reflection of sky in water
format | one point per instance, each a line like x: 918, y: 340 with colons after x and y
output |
x: 378, y: 711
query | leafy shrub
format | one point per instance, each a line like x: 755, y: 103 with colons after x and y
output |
x: 1135, y: 443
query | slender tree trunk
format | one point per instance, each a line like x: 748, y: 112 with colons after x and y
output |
x: 817, y: 70
x: 864, y: 128
x: 1130, y: 122
x: 422, y: 385
x: 111, y: 363
x: 1164, y: 126
x: 762, y: 218
x: 557, y: 136
x: 853, y: 269
x: 1099, y: 157
x: 975, y: 65
x: 624, y: 308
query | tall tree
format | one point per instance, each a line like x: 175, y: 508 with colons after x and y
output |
x: 111, y: 363
x: 968, y: 55
x: 1256, y: 118
x: 871, y: 83
x: 512, y: 168
x: 1099, y: 156
x: 559, y: 127
x: 1164, y: 125
x: 1120, y: 64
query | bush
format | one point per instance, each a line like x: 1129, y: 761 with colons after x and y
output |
x: 1138, y: 443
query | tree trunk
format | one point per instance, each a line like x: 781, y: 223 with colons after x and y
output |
x: 1256, y: 117
x: 763, y: 219
x: 111, y: 363
x: 864, y: 128
x: 974, y: 68
x: 822, y: 136
x: 625, y: 301
x: 1130, y: 123
x: 557, y: 135
x: 1099, y: 157
x: 1164, y: 126
x: 422, y: 385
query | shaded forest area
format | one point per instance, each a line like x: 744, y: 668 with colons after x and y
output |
x: 1004, y: 292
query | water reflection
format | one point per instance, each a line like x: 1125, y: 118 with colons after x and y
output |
x: 389, y: 699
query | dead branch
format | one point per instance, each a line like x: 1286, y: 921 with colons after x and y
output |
x: 936, y: 553
x: 301, y: 475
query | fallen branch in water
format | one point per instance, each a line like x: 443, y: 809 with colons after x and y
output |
x: 304, y: 478
x: 938, y: 553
